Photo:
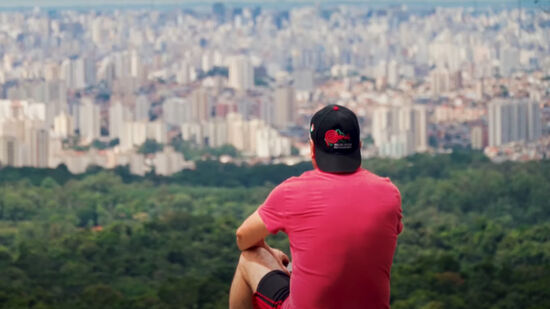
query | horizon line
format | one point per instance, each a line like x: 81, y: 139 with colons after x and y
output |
x: 282, y: 3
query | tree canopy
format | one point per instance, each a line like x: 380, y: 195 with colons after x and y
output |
x: 477, y: 234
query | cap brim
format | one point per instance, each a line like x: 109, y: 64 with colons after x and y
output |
x: 338, y: 163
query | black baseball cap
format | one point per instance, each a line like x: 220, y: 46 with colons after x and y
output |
x: 335, y: 134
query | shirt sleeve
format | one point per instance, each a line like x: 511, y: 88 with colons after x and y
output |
x: 272, y: 211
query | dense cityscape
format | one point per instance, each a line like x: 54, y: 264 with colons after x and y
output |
x: 159, y: 89
x: 136, y: 136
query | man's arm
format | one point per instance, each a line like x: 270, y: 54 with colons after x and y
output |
x: 252, y: 232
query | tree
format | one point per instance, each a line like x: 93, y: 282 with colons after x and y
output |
x: 150, y: 146
x: 476, y: 234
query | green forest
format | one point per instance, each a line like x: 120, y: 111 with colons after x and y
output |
x: 477, y: 234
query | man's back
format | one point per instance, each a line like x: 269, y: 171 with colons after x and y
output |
x: 342, y: 223
x: 342, y: 230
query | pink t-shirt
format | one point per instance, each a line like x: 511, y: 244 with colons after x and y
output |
x: 343, y: 231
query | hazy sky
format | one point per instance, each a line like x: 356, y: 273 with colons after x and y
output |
x: 97, y: 3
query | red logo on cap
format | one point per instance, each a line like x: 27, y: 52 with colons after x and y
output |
x: 334, y: 136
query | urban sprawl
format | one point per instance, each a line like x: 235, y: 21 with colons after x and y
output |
x: 145, y: 88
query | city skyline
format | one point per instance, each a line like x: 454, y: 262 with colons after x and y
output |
x: 269, y: 3
x: 160, y: 89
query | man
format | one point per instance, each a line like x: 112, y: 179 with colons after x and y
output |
x: 342, y: 223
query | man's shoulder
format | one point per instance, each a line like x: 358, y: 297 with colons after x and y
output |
x: 377, y: 182
x: 307, y: 175
x: 307, y: 178
x: 297, y: 182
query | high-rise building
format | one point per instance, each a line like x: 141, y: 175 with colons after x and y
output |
x: 12, y: 139
x: 39, y: 147
x: 136, y: 66
x: 15, y: 128
x: 118, y: 115
x: 479, y: 89
x: 252, y: 127
x: 184, y: 73
x: 89, y: 120
x: 51, y: 71
x: 284, y: 107
x: 78, y: 72
x: 216, y: 132
x: 303, y: 80
x: 442, y: 80
x: 176, y: 111
x: 8, y: 151
x: 236, y: 130
x: 420, y: 128
x: 36, y: 111
x: 212, y: 133
x: 200, y: 105
x: 512, y: 120
x: 142, y: 107
x: 168, y: 162
x: 5, y: 109
x: 90, y: 71
x: 122, y: 63
x: 63, y: 125
x: 400, y: 131
x: 55, y: 97
x: 157, y: 131
x: 269, y: 143
x: 133, y: 135
x: 392, y: 73
x: 97, y: 31
x: 24, y: 142
x: 66, y: 73
x: 193, y: 131
x: 207, y: 61
x: 456, y: 81
x: 106, y: 71
x: 383, y: 125
x: 478, y: 137
x: 256, y: 138
x: 241, y: 73
x: 8, y: 62
x: 509, y: 60
x: 534, y: 123
x: 137, y: 164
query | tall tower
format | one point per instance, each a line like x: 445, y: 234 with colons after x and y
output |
x: 118, y: 115
x: 200, y: 105
x: 142, y: 108
x: 241, y: 73
x: 284, y: 109
x: 176, y: 111
x: 534, y: 124
x: 63, y: 125
x: 39, y: 147
x: 512, y: 120
x: 420, y: 128
x: 90, y: 121
x: 8, y: 151
x: 401, y: 130
x: 440, y: 81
